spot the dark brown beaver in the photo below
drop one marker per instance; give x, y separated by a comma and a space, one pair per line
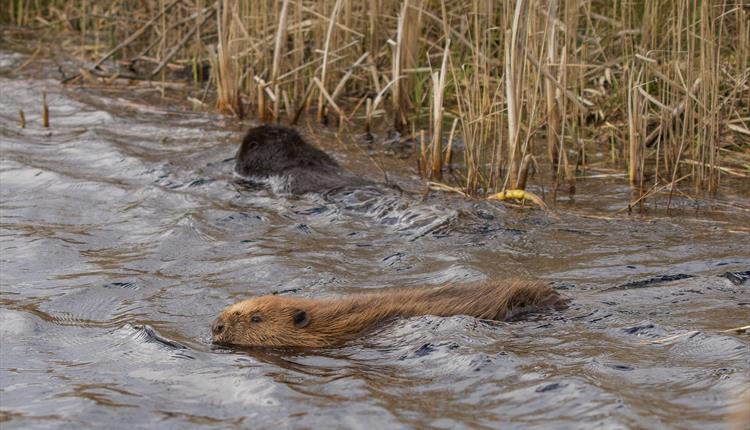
313, 323
278, 154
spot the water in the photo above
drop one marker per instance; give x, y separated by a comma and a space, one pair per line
124, 234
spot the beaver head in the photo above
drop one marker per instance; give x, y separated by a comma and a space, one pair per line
280, 156
272, 150
264, 321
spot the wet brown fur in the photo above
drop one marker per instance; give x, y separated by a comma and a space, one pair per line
314, 323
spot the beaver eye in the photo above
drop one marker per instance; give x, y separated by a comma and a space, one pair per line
256, 318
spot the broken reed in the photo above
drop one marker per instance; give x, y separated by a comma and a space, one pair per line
654, 83
45, 110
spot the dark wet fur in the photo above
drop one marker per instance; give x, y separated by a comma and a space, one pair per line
274, 150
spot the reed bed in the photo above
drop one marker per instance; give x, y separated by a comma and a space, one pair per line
491, 91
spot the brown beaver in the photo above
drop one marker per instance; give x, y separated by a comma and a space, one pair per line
278, 154
276, 321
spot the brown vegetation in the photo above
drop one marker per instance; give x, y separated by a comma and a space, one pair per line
661, 86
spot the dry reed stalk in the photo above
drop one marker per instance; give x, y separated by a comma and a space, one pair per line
710, 94
669, 338
737, 330
260, 92
45, 110
396, 69
368, 113
635, 131
553, 109
342, 83
380, 96
569, 169
437, 186
570, 174
324, 65
438, 92
561, 119
328, 97
722, 169
374, 76
449, 149
28, 60
422, 155
196, 49
524, 172
287, 105
515, 46
373, 29
303, 102
225, 75
404, 58
164, 32
742, 52
276, 103
278, 51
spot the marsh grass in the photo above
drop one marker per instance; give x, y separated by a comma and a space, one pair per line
661, 87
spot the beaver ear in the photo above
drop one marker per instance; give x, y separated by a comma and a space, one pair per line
300, 318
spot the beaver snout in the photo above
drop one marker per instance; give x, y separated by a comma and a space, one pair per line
217, 329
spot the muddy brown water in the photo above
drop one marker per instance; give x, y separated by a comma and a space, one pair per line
123, 234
